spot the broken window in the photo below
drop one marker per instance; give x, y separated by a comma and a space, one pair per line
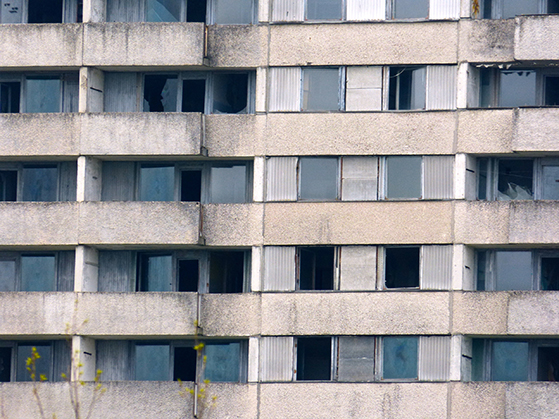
160, 93
506, 9
155, 272
318, 178
194, 95
324, 9
316, 268
410, 9
41, 11
321, 89
164, 10
314, 359
55, 359
402, 267
406, 88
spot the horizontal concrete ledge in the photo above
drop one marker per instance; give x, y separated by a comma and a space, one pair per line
536, 38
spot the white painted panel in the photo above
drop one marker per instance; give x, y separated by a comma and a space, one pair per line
358, 266
279, 268
366, 10
436, 267
359, 178
444, 9
253, 356
256, 269
434, 358
276, 358
364, 88
288, 10
281, 179
441, 87
258, 171
285, 89
438, 177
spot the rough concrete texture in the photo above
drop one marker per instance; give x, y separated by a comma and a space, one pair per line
534, 222
380, 43
535, 312
486, 41
239, 46
344, 400
375, 313
480, 313
38, 223
536, 38
536, 130
481, 222
485, 131
421, 222
143, 44
232, 224
235, 135
41, 134
141, 133
230, 314
42, 45
532, 400
478, 400
125, 223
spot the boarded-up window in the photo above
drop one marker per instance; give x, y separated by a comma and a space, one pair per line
356, 358
118, 180
438, 177
364, 89
116, 271
113, 358
359, 178
288, 10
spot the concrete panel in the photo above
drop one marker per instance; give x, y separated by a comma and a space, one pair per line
485, 131
534, 222
45, 45
141, 133
486, 41
380, 43
478, 401
169, 223
427, 222
136, 314
532, 400
479, 313
536, 38
235, 135
481, 222
536, 130
232, 224
237, 46
230, 314
143, 44
45, 134
533, 313
376, 313
345, 400
38, 223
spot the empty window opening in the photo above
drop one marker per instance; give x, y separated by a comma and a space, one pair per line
402, 267
548, 364
189, 274
406, 88
9, 97
5, 364
195, 11
8, 185
160, 93
227, 272
193, 95
481, 271
40, 183
552, 6
316, 268
43, 94
155, 272
324, 9
157, 183
550, 274
163, 10
230, 93
185, 364
152, 362
403, 177
399, 357
509, 361
44, 11
411, 9
321, 89
515, 179
552, 91
318, 178
314, 358
191, 185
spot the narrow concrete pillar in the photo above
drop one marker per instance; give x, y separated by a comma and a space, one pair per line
89, 179
83, 358
259, 174
261, 83
256, 269
94, 11
92, 86
462, 86
264, 10
253, 359
86, 275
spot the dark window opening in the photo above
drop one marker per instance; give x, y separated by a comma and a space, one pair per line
196, 11
44, 11
227, 272
79, 17
486, 9
406, 88
550, 274
552, 6
316, 270
191, 185
548, 364
193, 95
160, 93
8, 185
314, 358
230, 93
481, 268
9, 97
5, 364
402, 267
482, 179
185, 364
515, 179
155, 272
517, 88
189, 273
552, 91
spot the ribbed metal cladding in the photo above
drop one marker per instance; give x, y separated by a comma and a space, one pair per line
436, 271
113, 359
279, 268
288, 10
434, 358
276, 358
444, 9
438, 177
441, 86
366, 9
281, 179
285, 89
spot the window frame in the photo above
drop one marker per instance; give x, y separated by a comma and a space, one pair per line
341, 88
68, 7
338, 178
14, 359
381, 286
335, 268
383, 179
391, 8
343, 17
17, 256
496, 9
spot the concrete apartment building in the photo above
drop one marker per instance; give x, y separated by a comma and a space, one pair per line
352, 203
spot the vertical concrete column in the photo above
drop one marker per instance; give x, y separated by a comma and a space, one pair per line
463, 270
264, 10
261, 83
259, 172
83, 353
457, 267
462, 86
92, 85
94, 11
86, 275
465, 8
256, 269
89, 179
253, 359
460, 176
456, 358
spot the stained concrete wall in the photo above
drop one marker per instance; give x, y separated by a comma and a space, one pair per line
232, 224
239, 46
486, 41
536, 38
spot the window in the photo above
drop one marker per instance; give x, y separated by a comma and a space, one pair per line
41, 11
314, 357
43, 271
406, 88
410, 9
55, 359
324, 9
316, 268
226, 360
318, 178
402, 267
403, 177
505, 9
211, 182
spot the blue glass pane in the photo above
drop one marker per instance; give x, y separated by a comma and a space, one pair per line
399, 357
42, 94
514, 271
157, 183
409, 9
152, 362
403, 177
517, 88
319, 178
324, 9
228, 184
159, 273
42, 365
233, 11
510, 361
40, 184
7, 275
222, 361
163, 10
321, 88
512, 8
38, 273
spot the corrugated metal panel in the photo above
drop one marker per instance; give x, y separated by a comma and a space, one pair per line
434, 358
276, 355
358, 266
117, 181
285, 89
116, 269
288, 10
120, 92
366, 9
438, 177
441, 87
444, 9
356, 358
436, 267
281, 179
359, 178
113, 358
66, 267
71, 93
279, 268
62, 360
